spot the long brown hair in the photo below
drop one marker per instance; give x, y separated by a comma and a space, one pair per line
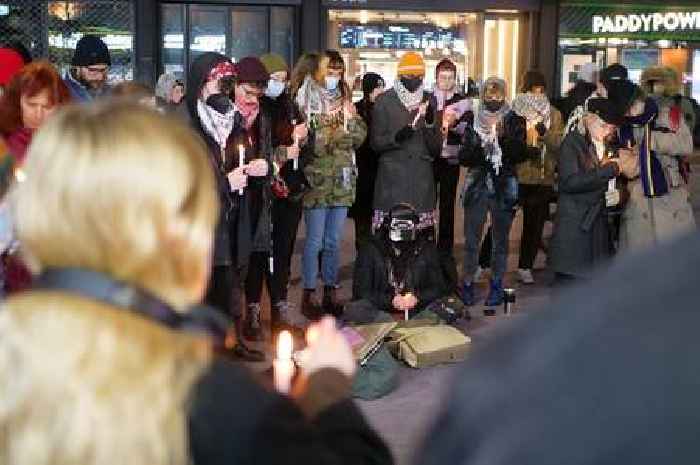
33, 79
307, 65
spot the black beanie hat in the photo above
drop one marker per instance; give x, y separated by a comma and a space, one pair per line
251, 69
91, 50
608, 110
370, 81
614, 72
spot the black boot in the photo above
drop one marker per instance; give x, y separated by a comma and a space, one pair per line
331, 305
252, 329
236, 348
310, 307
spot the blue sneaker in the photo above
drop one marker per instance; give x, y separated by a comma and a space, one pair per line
495, 297
466, 293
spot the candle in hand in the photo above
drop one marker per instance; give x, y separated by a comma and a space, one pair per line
283, 364
296, 144
241, 162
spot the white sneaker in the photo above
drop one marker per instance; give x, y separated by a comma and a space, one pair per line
479, 274
525, 276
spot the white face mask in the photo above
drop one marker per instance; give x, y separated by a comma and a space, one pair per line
332, 82
274, 88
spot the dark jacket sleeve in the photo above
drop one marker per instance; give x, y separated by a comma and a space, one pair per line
472, 154
383, 137
234, 420
368, 282
514, 141
573, 179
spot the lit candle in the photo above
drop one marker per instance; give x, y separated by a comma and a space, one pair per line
611, 185
296, 144
283, 364
241, 162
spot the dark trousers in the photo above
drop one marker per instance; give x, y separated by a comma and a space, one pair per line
535, 202
285, 223
363, 229
446, 181
485, 253
224, 293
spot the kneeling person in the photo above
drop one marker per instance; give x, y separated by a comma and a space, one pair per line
397, 271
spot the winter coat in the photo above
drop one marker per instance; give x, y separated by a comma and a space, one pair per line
534, 171
405, 173
603, 374
512, 143
329, 170
451, 147
232, 240
371, 276
367, 165
580, 239
648, 221
79, 93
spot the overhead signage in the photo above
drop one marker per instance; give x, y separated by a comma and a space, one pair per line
594, 20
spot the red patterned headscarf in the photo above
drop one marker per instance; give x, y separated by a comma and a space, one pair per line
222, 70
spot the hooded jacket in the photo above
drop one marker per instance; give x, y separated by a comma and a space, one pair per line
233, 241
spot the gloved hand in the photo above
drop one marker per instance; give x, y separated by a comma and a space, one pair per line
541, 129
612, 198
471, 138
430, 114
404, 134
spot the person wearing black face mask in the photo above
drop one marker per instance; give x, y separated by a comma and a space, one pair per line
492, 148
398, 270
214, 117
407, 141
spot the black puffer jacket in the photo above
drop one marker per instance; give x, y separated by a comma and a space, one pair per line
424, 277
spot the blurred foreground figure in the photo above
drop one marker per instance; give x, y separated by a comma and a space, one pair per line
606, 375
95, 364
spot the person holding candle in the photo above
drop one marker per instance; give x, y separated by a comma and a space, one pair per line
336, 131
536, 175
104, 358
216, 120
452, 117
398, 271
581, 240
492, 149
283, 139
407, 141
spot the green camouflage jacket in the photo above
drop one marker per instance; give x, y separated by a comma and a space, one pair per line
330, 170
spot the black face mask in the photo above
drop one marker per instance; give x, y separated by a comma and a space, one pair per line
221, 103
412, 84
493, 105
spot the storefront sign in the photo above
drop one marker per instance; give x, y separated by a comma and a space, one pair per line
593, 20
442, 5
652, 22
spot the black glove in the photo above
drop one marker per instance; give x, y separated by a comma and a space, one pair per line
430, 114
471, 139
404, 134
541, 129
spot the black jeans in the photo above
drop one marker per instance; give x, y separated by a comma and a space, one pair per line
535, 202
224, 293
363, 229
285, 223
446, 181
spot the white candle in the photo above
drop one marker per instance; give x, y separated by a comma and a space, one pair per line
611, 185
296, 144
283, 365
241, 162
405, 314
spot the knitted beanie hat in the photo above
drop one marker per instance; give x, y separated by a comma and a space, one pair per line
411, 63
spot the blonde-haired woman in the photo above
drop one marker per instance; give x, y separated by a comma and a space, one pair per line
117, 216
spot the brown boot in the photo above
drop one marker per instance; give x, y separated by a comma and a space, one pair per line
331, 304
310, 307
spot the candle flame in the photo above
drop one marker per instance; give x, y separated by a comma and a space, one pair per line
284, 346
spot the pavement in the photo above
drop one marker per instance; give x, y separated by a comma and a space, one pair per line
404, 416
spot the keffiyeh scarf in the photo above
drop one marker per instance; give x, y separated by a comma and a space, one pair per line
535, 108
313, 99
486, 125
410, 100
215, 124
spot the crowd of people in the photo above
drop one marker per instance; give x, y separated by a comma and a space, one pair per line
125, 209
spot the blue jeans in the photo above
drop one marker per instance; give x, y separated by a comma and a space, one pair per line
324, 228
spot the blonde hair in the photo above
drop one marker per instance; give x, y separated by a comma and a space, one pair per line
118, 189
